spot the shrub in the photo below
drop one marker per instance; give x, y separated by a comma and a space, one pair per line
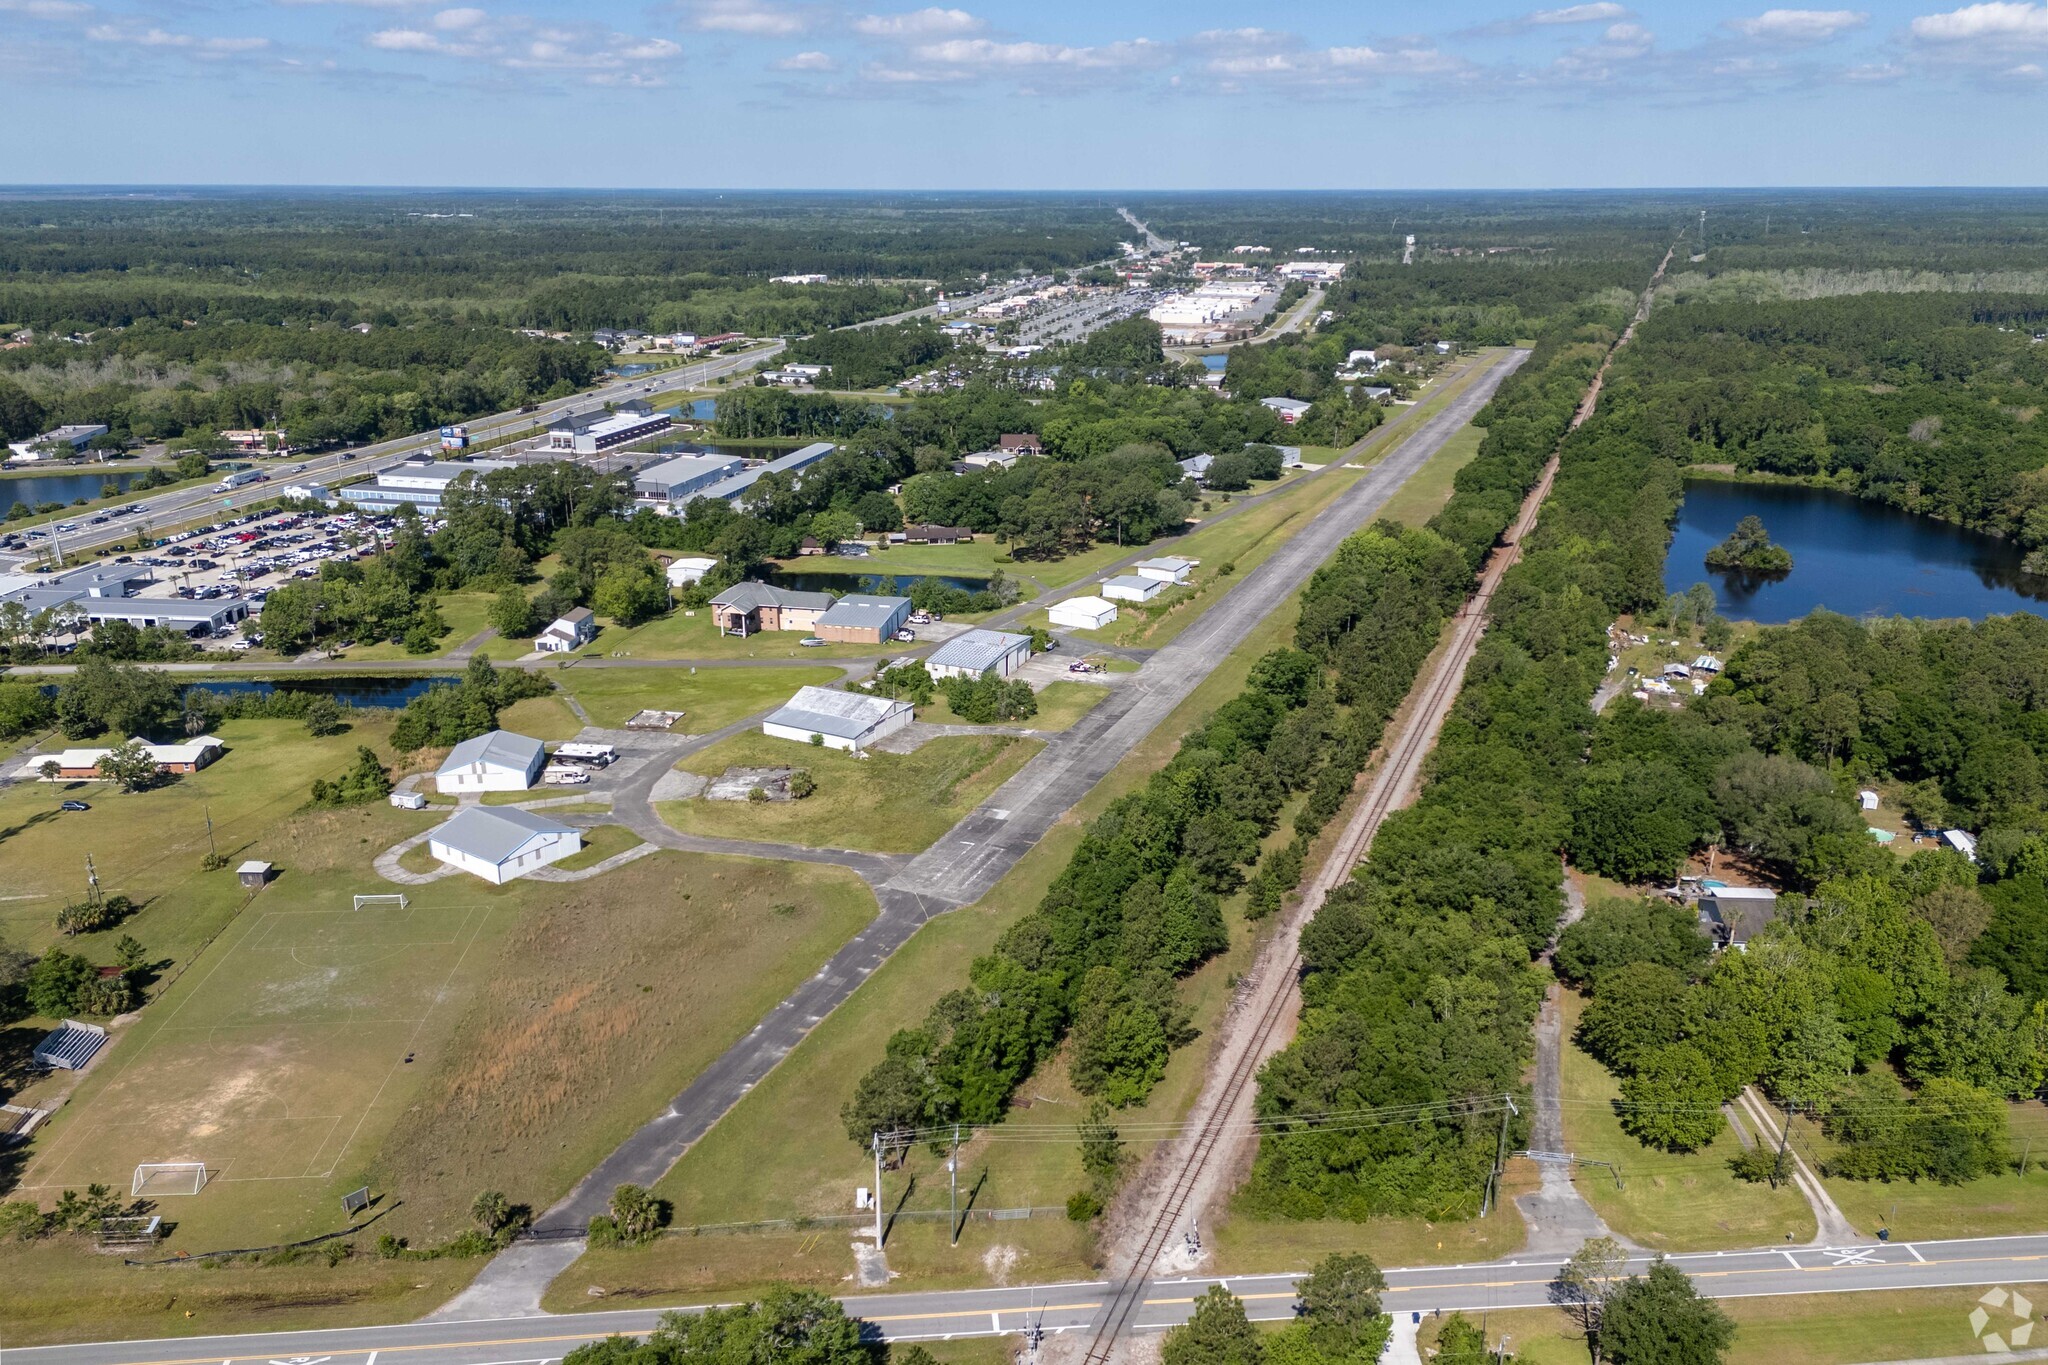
1084, 1206
802, 784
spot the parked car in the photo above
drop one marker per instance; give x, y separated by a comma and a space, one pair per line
74, 805
810, 641
905, 636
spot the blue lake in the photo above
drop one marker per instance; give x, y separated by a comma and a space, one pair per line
703, 409
38, 488
1215, 362
1850, 556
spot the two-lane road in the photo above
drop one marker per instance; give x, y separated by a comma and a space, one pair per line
1067, 1307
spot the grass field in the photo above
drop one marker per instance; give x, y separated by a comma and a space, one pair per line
1674, 1201
981, 558
1425, 494
742, 1171
711, 697
1060, 704
472, 1027
600, 843
1995, 1207
880, 802
1803, 1329
687, 635
541, 717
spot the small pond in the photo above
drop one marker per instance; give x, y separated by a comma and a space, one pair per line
1849, 555
65, 488
1215, 362
390, 691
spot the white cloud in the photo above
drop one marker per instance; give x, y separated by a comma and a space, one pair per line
405, 40
807, 61
360, 4
1799, 25
46, 9
750, 17
987, 54
931, 22
1599, 13
2010, 24
1874, 73
186, 42
459, 20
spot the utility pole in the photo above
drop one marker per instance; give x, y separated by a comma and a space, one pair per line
92, 882
1784, 1141
953, 1178
1499, 1157
211, 851
878, 1190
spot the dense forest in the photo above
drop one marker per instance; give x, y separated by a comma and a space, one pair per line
1898, 999
1928, 402
181, 315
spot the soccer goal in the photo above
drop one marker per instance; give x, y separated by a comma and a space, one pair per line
395, 898
160, 1178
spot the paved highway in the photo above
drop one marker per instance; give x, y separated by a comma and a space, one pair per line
1069, 1307
169, 508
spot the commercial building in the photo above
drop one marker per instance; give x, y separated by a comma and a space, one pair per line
572, 631
187, 756
496, 762
682, 478
194, 616
588, 433
423, 482
849, 721
734, 488
856, 619
747, 608
1314, 272
1082, 613
76, 436
1132, 588
931, 533
502, 843
1289, 410
978, 652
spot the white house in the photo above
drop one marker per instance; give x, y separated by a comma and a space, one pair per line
1170, 569
1082, 613
1962, 841
845, 720
502, 843
1289, 410
497, 762
573, 631
687, 569
977, 652
1867, 799
1133, 588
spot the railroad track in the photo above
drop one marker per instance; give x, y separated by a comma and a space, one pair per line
1396, 778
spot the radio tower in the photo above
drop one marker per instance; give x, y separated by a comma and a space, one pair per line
1701, 254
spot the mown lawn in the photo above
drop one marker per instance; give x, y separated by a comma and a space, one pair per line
1060, 704
1673, 1201
880, 802
1430, 487
1782, 1329
599, 843
709, 697
692, 635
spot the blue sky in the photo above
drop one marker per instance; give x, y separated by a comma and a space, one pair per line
1055, 94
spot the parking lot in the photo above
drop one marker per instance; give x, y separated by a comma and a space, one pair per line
250, 555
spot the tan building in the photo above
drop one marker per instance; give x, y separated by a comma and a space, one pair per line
749, 608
